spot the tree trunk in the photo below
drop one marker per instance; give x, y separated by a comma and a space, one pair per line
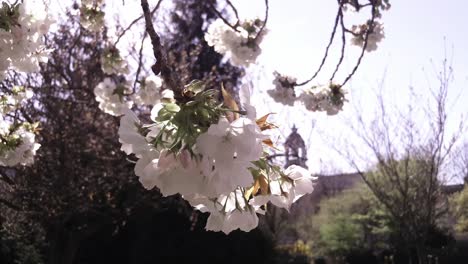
63, 246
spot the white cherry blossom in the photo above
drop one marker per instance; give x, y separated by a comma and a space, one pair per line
22, 154
322, 98
284, 191
130, 137
228, 212
150, 92
284, 89
241, 47
111, 100
244, 98
173, 174
373, 39
22, 47
228, 150
302, 181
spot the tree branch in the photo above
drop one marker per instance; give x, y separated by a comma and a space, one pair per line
140, 59
343, 45
160, 67
267, 10
332, 37
135, 21
366, 38
234, 10
6, 179
234, 27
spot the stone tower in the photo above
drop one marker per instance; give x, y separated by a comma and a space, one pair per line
295, 150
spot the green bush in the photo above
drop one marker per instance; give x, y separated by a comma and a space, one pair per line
459, 204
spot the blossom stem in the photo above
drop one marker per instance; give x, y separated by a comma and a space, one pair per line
366, 38
343, 44
235, 11
234, 27
325, 56
267, 10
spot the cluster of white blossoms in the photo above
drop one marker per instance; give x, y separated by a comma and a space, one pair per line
113, 97
213, 154
22, 27
14, 100
326, 98
149, 92
116, 97
373, 27
92, 15
17, 139
112, 62
241, 45
284, 89
375, 35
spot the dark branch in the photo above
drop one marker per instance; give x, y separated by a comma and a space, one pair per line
343, 45
267, 10
234, 10
6, 179
135, 21
368, 32
140, 61
234, 27
332, 37
161, 62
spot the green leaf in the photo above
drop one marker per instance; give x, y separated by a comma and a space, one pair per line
191, 103
171, 107
195, 86
164, 115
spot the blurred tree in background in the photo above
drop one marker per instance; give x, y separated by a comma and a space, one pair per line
459, 204
352, 221
80, 202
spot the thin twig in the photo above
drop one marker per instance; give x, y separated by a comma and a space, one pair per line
235, 11
135, 21
366, 38
26, 116
234, 27
337, 19
6, 178
267, 10
127, 28
343, 45
140, 59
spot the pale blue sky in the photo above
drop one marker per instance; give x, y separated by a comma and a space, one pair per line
417, 34
416, 31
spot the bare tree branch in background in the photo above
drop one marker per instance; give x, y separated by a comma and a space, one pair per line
409, 150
